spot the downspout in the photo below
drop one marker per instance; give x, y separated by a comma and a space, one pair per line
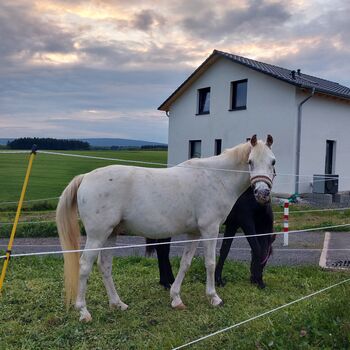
297, 166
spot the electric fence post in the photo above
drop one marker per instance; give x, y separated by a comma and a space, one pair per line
18, 212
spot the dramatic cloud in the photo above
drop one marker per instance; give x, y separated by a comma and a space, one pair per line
257, 18
102, 67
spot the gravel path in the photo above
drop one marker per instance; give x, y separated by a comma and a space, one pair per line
303, 249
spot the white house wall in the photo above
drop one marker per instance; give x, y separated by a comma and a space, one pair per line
325, 119
271, 109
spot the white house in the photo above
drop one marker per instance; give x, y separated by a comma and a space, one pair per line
228, 98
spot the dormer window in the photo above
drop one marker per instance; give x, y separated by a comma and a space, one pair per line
203, 101
239, 95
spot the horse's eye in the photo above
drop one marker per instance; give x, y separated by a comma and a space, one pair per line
274, 162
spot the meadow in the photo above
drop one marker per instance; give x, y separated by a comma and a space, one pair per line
51, 173
33, 315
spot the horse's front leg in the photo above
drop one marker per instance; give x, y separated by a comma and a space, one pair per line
209, 255
187, 255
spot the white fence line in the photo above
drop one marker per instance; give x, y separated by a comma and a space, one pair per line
313, 210
27, 222
182, 246
14, 152
164, 164
174, 165
261, 315
172, 242
276, 212
31, 200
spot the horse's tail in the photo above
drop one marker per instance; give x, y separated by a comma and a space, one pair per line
69, 233
150, 248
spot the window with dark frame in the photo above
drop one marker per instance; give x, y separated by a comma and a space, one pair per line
239, 95
330, 151
204, 101
195, 149
218, 143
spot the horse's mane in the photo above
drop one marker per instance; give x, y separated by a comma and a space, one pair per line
237, 155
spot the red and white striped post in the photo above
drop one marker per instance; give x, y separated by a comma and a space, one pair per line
285, 223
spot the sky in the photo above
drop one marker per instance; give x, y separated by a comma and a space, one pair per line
101, 68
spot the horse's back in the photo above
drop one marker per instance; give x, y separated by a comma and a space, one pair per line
147, 201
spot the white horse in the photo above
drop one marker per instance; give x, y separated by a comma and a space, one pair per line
194, 197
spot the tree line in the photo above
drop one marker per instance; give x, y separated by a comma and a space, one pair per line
47, 143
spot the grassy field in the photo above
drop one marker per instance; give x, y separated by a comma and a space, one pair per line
51, 173
33, 315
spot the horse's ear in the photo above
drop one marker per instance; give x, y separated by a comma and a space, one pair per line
269, 141
253, 140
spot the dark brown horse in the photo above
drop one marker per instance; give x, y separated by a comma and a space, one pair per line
249, 215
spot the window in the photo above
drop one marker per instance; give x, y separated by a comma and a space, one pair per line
195, 149
239, 95
330, 157
218, 143
204, 101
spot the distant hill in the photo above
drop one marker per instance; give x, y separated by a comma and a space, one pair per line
4, 141
108, 142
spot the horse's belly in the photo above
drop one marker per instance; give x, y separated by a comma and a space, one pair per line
158, 226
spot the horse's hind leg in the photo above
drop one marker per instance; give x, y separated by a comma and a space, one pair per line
187, 255
230, 231
86, 262
165, 271
104, 262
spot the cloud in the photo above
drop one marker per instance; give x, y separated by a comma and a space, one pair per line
62, 60
24, 34
146, 19
257, 18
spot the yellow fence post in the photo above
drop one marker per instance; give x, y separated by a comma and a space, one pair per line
18, 212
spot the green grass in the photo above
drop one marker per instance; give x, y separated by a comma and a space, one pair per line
33, 315
51, 173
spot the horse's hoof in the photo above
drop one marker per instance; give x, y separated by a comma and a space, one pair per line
221, 304
216, 301
180, 306
166, 286
261, 285
122, 306
85, 318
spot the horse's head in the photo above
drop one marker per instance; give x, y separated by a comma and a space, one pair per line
262, 168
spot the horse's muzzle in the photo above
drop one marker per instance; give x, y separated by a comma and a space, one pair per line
262, 196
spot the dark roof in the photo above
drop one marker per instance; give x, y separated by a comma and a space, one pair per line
296, 78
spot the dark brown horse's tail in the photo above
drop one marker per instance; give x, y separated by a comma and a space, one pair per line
150, 248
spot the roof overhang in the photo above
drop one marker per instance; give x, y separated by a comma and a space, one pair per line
216, 55
165, 106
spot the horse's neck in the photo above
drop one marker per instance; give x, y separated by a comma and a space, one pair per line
230, 167
236, 179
